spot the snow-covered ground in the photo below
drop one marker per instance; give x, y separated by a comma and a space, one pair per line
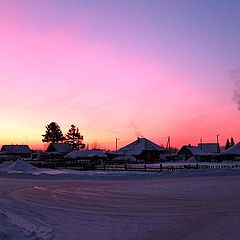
47, 204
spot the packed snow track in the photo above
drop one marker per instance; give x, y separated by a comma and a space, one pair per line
172, 208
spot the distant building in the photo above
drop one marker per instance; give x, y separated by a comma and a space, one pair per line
63, 148
22, 151
232, 152
142, 149
189, 151
209, 147
93, 156
80, 154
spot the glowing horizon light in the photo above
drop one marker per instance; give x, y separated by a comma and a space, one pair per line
119, 70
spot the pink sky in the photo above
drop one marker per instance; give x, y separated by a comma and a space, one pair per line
109, 79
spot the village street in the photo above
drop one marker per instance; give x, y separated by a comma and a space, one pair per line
177, 208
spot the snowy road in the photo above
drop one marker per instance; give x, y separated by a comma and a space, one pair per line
177, 208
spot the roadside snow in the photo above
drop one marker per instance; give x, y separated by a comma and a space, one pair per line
23, 168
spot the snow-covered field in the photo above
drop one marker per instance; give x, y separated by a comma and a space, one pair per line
48, 204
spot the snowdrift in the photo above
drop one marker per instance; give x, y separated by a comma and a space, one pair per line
17, 166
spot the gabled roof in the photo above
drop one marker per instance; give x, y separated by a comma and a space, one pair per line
15, 149
196, 151
138, 146
234, 150
59, 147
86, 154
209, 147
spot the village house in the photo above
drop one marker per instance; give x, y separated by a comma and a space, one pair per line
62, 148
22, 151
209, 147
202, 152
142, 149
232, 152
92, 156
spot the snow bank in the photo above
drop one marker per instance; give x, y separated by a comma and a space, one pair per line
5, 164
17, 166
22, 167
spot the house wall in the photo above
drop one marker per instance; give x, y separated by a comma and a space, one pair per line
149, 156
184, 153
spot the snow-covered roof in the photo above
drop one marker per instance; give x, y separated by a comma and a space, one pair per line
86, 153
59, 147
138, 146
209, 147
15, 149
234, 150
196, 151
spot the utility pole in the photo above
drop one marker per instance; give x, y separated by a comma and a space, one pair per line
201, 143
117, 143
218, 148
168, 147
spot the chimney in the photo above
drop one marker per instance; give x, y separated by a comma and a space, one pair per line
138, 139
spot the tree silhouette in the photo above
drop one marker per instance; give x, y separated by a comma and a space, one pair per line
74, 138
227, 145
232, 142
53, 133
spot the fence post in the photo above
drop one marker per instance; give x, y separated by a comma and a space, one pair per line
160, 167
145, 167
125, 167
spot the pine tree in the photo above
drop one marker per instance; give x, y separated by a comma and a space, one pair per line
232, 142
227, 145
74, 138
53, 133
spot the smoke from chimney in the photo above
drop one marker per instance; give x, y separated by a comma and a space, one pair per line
235, 77
137, 132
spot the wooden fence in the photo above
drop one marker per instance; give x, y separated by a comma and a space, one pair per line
161, 167
81, 166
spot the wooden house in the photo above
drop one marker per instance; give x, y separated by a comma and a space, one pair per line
142, 149
22, 151
62, 148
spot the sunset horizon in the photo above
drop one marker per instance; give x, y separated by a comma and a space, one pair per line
120, 70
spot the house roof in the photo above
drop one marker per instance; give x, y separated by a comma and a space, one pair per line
196, 151
234, 150
138, 146
209, 147
86, 154
15, 149
60, 147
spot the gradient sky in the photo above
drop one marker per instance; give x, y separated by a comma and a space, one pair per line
120, 69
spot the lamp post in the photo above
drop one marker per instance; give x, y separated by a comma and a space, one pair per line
117, 139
